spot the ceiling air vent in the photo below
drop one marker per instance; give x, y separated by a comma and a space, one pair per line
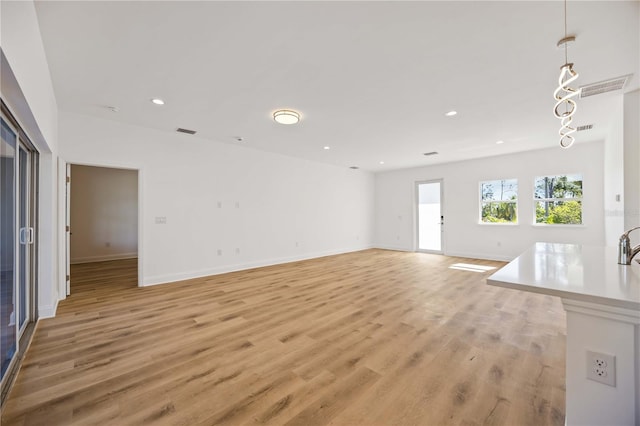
430, 153
585, 127
187, 131
604, 86
354, 167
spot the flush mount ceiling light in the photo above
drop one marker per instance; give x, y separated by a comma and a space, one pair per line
327, 148
499, 142
286, 116
451, 113
565, 106
157, 101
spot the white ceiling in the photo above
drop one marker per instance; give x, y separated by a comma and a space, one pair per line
372, 80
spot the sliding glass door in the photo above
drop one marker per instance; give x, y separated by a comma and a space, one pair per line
17, 235
8, 167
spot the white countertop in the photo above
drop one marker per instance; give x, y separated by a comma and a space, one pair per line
573, 271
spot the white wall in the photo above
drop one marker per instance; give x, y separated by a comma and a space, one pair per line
104, 214
464, 236
27, 89
252, 207
632, 163
614, 176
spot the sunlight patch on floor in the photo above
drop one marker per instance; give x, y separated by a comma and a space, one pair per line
471, 267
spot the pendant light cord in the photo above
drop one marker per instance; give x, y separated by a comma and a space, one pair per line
565, 32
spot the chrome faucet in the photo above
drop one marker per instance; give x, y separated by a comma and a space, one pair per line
626, 253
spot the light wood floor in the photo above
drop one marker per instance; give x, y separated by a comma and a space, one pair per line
369, 338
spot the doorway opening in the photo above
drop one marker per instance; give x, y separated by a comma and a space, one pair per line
430, 220
102, 226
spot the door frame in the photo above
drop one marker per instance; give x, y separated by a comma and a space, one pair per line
25, 332
416, 226
65, 201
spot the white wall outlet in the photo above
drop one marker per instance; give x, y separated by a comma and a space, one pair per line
601, 368
161, 220
219, 252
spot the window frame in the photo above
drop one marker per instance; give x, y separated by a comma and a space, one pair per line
482, 202
556, 199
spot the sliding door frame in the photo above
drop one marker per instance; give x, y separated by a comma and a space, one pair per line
24, 332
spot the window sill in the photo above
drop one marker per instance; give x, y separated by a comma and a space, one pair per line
498, 224
557, 225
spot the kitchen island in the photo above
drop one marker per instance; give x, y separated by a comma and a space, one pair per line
602, 301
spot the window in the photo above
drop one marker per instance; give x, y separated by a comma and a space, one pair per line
558, 199
499, 201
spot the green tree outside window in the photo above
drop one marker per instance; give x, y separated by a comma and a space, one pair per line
499, 201
559, 199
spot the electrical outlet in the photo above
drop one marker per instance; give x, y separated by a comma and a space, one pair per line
601, 368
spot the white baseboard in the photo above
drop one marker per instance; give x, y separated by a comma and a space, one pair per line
48, 311
170, 278
482, 256
394, 248
104, 258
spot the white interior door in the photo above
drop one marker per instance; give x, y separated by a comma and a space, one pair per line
430, 220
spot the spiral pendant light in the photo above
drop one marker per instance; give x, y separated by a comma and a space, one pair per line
566, 106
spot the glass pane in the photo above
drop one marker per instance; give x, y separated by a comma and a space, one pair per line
559, 212
499, 212
429, 227
23, 224
559, 186
7, 247
499, 190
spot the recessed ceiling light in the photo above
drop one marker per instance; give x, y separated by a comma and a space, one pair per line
157, 101
113, 109
286, 116
499, 142
451, 113
327, 147
354, 167
382, 162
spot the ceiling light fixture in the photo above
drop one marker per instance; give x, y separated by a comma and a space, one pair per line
451, 113
286, 116
564, 93
157, 101
327, 147
499, 142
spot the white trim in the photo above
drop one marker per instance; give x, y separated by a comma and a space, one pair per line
47, 311
559, 225
615, 313
172, 278
104, 258
394, 248
481, 256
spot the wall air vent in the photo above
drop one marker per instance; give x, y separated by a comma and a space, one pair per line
187, 131
610, 85
430, 153
585, 127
